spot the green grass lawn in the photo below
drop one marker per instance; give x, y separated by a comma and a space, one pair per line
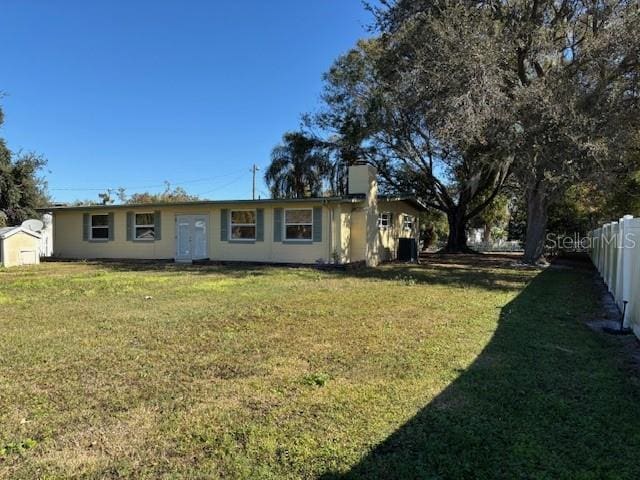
441, 371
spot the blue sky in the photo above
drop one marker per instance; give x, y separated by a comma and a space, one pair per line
133, 93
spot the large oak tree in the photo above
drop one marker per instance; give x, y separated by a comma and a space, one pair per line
377, 114
559, 79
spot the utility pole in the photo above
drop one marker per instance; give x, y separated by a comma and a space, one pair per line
254, 169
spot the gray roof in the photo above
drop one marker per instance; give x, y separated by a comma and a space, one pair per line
343, 199
410, 199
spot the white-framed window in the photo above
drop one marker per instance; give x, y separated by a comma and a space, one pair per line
99, 226
242, 224
298, 224
144, 226
408, 222
384, 220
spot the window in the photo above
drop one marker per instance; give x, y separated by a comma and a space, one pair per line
408, 222
384, 220
298, 224
99, 227
145, 228
243, 224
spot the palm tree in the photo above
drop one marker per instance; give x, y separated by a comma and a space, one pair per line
299, 167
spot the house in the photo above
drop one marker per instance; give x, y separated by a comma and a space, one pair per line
358, 227
19, 246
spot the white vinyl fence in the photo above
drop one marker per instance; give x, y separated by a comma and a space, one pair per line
497, 246
46, 236
615, 251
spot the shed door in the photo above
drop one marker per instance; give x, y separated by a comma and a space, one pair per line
28, 257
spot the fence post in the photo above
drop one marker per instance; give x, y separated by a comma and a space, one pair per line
599, 259
607, 255
625, 265
613, 265
598, 249
618, 271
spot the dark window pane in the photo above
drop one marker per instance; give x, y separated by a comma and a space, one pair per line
243, 216
384, 220
99, 232
145, 233
408, 222
144, 218
298, 216
99, 220
299, 232
243, 233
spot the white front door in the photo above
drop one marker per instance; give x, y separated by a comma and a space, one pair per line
191, 237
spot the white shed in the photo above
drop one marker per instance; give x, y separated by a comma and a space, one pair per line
19, 246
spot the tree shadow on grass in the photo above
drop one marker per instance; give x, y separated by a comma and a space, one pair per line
447, 275
547, 398
484, 271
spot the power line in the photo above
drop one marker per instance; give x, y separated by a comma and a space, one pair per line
177, 184
235, 180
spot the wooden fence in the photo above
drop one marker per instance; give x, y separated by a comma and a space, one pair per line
615, 251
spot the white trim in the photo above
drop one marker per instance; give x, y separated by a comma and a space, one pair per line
285, 223
91, 227
254, 224
15, 230
389, 219
408, 219
136, 226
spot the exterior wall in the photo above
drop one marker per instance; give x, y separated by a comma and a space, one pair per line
20, 249
344, 227
69, 243
388, 238
365, 245
373, 246
358, 236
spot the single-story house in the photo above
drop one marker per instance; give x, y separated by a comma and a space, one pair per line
358, 227
19, 246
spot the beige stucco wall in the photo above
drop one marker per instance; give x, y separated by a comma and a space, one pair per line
364, 241
388, 237
358, 237
68, 242
343, 225
18, 246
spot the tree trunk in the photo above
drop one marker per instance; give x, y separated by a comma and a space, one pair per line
537, 216
487, 234
457, 241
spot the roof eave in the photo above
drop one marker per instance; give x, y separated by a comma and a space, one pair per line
353, 199
13, 231
411, 200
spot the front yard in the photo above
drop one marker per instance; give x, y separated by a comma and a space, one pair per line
441, 371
